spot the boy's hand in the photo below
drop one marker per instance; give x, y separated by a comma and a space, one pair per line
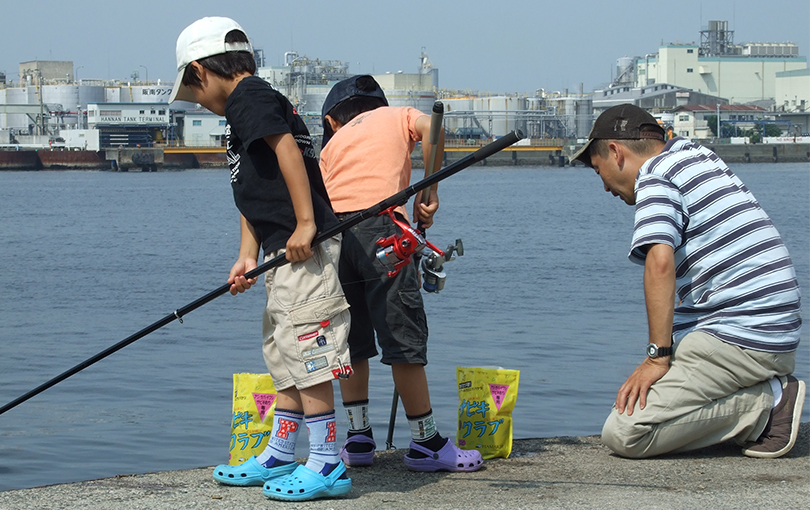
299, 245
423, 214
237, 279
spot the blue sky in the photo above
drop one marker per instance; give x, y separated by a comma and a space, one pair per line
516, 46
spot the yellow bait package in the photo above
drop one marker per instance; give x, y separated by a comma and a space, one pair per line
254, 401
486, 398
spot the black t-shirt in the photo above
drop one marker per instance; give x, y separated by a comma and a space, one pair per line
255, 110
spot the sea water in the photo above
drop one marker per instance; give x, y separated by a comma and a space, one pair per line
89, 258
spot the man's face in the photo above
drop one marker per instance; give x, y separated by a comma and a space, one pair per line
621, 182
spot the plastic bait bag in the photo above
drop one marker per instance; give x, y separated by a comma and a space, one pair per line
486, 399
254, 401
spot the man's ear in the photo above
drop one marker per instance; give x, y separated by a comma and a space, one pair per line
616, 151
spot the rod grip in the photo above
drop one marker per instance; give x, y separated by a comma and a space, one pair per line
436, 122
434, 161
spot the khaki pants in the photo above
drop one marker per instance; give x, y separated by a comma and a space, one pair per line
306, 320
713, 392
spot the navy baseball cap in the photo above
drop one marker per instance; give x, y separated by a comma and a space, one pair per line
347, 89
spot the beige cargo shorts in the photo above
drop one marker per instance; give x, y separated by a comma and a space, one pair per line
306, 320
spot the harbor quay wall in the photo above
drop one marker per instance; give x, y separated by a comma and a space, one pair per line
762, 153
152, 159
755, 153
123, 159
519, 156
752, 153
71, 160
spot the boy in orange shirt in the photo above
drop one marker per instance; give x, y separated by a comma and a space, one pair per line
366, 158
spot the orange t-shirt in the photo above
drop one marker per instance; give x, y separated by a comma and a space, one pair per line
369, 158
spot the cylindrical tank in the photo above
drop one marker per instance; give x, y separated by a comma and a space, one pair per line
625, 70
422, 100
71, 98
67, 96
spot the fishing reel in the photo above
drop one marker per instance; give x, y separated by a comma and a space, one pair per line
396, 251
433, 275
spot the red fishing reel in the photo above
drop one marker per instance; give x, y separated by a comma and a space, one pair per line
396, 251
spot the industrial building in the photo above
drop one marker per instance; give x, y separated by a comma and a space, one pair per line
679, 84
793, 99
202, 128
130, 124
306, 82
742, 73
793, 91
541, 116
657, 97
692, 121
48, 102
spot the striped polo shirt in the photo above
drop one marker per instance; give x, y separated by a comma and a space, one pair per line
734, 276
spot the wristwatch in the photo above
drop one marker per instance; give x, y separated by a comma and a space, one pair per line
653, 351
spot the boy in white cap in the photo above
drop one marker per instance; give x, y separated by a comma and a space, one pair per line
280, 194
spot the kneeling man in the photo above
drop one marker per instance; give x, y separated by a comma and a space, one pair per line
722, 299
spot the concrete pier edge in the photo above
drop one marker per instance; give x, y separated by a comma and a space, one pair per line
561, 472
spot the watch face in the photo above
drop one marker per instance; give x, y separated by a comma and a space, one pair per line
652, 350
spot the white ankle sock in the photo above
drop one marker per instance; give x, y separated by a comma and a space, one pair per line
776, 388
422, 427
357, 414
281, 445
323, 449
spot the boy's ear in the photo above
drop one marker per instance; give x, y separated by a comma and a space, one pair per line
200, 70
335, 125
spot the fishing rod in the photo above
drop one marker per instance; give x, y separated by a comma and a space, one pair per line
432, 264
398, 199
434, 162
436, 118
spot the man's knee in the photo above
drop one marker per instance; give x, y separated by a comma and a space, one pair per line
624, 437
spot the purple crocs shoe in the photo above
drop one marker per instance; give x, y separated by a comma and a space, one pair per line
358, 459
449, 458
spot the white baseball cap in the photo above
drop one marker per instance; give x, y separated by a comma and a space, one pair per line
203, 38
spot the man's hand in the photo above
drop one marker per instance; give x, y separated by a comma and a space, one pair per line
638, 384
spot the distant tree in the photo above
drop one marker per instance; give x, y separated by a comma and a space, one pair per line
754, 135
772, 130
712, 121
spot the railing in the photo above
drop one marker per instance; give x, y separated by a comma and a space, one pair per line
450, 143
182, 144
526, 143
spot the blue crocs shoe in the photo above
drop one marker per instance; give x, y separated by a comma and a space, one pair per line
304, 484
250, 472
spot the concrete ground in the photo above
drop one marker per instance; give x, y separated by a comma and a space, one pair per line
563, 472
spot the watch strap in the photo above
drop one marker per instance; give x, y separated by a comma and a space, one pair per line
659, 351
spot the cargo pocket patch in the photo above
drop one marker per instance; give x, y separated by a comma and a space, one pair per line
318, 326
